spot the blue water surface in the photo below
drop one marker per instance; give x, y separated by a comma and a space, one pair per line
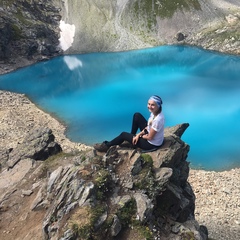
96, 94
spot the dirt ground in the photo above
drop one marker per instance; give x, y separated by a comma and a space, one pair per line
17, 220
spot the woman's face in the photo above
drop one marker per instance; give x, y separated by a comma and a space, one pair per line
152, 106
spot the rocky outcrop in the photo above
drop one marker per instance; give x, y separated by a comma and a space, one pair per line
28, 30
123, 193
38, 145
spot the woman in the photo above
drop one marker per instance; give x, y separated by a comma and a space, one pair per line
151, 133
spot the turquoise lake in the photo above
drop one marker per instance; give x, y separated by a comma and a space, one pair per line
96, 95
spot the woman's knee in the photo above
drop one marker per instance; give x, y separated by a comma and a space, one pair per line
126, 136
136, 115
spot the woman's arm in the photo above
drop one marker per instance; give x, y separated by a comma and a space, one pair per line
150, 135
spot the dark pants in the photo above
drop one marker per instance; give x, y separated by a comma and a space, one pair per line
139, 122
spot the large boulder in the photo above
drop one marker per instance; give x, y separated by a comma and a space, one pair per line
38, 145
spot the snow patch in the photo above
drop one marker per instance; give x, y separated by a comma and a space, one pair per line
66, 35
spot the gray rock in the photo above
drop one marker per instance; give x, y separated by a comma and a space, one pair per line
68, 235
4, 155
36, 204
123, 200
100, 220
86, 193
162, 175
26, 192
38, 145
116, 226
144, 206
53, 178
137, 166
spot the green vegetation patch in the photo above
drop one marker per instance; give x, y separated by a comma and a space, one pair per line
222, 33
148, 162
145, 180
84, 220
188, 236
80, 223
102, 181
140, 17
164, 8
127, 212
145, 231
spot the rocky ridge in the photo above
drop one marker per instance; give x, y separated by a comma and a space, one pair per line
115, 196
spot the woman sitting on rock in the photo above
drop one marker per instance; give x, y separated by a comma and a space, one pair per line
151, 133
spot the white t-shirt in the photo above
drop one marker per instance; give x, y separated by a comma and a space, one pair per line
157, 123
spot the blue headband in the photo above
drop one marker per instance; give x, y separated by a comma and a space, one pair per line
157, 100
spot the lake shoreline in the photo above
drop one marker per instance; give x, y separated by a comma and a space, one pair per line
203, 128
217, 193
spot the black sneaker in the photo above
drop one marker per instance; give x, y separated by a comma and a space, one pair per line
101, 147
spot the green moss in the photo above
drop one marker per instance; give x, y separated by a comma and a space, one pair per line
7, 3
126, 213
143, 230
102, 180
145, 179
187, 236
101, 177
96, 212
84, 232
148, 162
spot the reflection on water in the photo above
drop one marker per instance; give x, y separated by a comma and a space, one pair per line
96, 95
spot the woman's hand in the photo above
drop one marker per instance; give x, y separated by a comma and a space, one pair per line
135, 139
